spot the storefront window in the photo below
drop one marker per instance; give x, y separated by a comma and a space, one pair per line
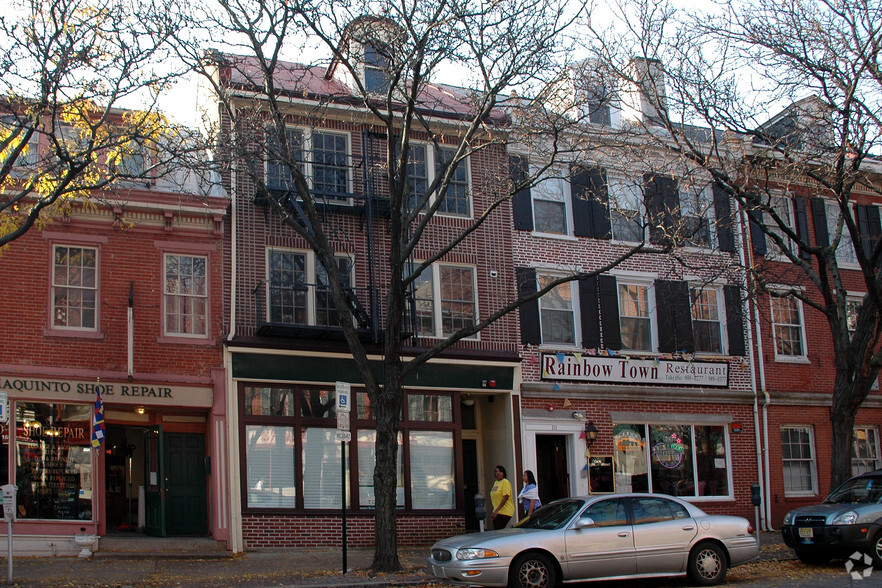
321, 469
367, 456
53, 461
269, 455
682, 460
434, 408
431, 470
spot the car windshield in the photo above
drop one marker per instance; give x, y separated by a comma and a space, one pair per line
552, 516
861, 490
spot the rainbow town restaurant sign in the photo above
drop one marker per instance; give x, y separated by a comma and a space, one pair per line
579, 367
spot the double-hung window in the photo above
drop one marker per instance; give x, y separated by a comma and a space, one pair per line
852, 310
696, 210
783, 209
321, 156
635, 316
423, 160
186, 295
551, 205
74, 287
798, 454
445, 300
787, 327
845, 253
376, 67
707, 320
299, 292
557, 312
865, 450
28, 158
626, 210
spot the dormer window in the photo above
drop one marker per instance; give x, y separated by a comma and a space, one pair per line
376, 65
598, 100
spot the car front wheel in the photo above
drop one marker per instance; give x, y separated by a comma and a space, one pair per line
875, 550
532, 570
707, 564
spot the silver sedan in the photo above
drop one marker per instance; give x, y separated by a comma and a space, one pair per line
599, 537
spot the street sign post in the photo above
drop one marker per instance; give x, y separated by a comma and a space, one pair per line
344, 435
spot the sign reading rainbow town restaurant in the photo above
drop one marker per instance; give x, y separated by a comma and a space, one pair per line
581, 367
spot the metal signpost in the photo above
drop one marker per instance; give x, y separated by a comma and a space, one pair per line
9, 491
345, 436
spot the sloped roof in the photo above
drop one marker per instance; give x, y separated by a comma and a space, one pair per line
310, 83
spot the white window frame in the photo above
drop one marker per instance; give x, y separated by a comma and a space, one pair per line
803, 358
204, 297
432, 171
627, 191
310, 265
872, 461
783, 204
853, 302
552, 187
697, 201
94, 289
573, 310
642, 282
438, 302
846, 256
721, 315
811, 460
307, 159
28, 160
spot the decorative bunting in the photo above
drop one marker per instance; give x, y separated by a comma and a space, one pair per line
98, 420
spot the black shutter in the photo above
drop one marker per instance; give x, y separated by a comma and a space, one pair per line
522, 201
674, 314
588, 306
802, 226
583, 224
529, 311
662, 199
597, 190
734, 320
609, 312
723, 213
869, 227
819, 220
757, 236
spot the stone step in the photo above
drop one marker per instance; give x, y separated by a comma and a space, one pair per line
143, 547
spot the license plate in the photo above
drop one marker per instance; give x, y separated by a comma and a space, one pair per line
806, 532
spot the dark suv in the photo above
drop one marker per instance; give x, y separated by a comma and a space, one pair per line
849, 520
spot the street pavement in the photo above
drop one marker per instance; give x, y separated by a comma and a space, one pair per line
323, 568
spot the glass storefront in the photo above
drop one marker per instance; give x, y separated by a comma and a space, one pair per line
53, 461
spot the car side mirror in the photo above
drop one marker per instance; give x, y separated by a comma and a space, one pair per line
583, 523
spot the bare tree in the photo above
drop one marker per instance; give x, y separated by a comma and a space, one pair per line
78, 105
780, 104
509, 49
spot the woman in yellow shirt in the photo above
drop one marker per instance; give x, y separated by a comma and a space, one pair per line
500, 498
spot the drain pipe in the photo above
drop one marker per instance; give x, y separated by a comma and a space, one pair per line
746, 255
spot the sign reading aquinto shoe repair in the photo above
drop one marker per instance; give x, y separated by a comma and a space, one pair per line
623, 370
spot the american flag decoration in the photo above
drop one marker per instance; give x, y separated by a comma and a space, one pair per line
98, 420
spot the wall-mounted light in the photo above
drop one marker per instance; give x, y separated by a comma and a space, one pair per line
140, 410
467, 400
590, 433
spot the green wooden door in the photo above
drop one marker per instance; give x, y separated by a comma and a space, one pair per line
185, 505
154, 483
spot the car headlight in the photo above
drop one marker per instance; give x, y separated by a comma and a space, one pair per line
476, 553
788, 518
846, 518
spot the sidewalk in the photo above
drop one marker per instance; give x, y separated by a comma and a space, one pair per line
316, 568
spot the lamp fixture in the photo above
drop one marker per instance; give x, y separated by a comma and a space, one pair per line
590, 433
140, 410
467, 400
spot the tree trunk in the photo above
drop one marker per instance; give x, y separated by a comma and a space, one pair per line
842, 415
387, 410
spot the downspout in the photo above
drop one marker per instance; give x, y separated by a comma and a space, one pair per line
746, 255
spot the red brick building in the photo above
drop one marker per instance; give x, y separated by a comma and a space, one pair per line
122, 295
286, 351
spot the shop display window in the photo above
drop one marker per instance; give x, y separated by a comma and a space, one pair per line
53, 461
675, 459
